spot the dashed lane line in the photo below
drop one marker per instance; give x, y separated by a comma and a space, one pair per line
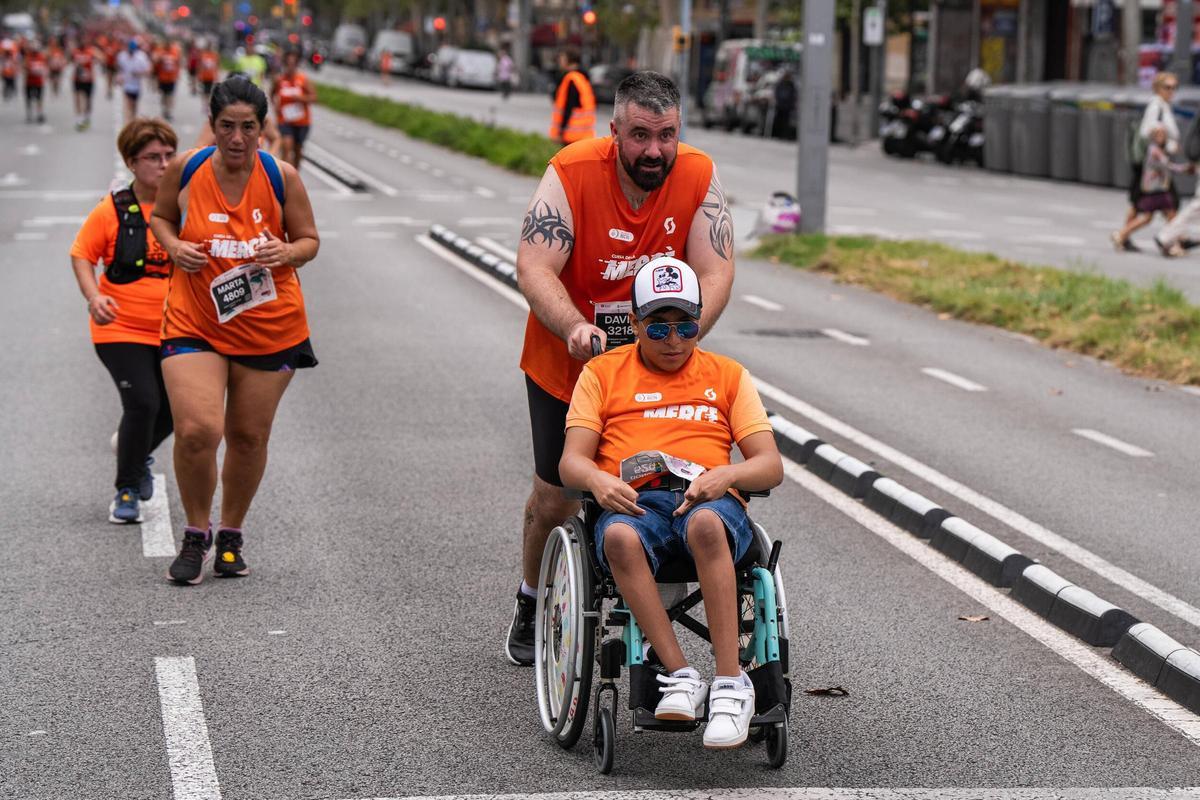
1063, 241
846, 338
158, 538
954, 380
763, 303
1113, 442
189, 752
483, 191
30, 236
1018, 522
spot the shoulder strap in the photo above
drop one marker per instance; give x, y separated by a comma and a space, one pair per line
273, 174
193, 164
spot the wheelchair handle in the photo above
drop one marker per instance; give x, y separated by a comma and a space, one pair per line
597, 348
773, 560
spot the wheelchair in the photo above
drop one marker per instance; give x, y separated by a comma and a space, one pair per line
582, 623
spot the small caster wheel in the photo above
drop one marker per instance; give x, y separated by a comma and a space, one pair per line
757, 734
777, 745
604, 740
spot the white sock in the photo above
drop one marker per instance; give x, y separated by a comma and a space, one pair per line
528, 590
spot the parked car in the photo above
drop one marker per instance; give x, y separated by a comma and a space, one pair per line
443, 57
473, 68
349, 45
398, 43
605, 79
758, 115
738, 66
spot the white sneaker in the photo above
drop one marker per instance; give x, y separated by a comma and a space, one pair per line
730, 707
683, 695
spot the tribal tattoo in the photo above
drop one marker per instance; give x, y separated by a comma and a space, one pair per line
720, 231
545, 225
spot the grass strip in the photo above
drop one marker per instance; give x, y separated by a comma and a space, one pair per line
1152, 332
526, 153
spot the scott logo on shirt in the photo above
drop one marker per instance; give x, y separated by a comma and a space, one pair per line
686, 411
233, 248
616, 269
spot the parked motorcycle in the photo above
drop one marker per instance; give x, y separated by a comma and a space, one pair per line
891, 129
963, 136
918, 128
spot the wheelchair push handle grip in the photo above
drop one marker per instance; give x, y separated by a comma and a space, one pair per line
597, 347
773, 559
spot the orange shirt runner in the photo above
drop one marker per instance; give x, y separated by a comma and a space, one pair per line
36, 69
140, 304
612, 241
209, 64
85, 64
693, 413
229, 233
289, 107
166, 65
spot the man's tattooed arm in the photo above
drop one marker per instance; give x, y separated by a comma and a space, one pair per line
545, 225
720, 232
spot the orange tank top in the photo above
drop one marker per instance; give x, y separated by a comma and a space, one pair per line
291, 109
612, 242
229, 233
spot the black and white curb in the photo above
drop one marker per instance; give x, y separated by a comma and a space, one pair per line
1142, 648
342, 175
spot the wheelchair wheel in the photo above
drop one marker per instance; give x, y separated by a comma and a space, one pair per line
604, 740
756, 734
564, 638
777, 744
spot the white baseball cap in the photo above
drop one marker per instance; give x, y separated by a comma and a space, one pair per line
666, 282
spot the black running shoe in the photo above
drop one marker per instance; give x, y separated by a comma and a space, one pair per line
229, 563
519, 647
196, 552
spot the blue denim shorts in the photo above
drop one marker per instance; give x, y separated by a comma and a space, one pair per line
664, 536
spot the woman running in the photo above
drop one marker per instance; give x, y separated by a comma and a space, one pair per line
234, 326
126, 306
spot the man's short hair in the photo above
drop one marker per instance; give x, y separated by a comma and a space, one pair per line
572, 54
651, 90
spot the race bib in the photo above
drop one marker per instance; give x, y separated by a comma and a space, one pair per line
649, 463
241, 289
292, 112
613, 319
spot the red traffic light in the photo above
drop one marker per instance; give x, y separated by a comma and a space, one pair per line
439, 23
184, 12
306, 20
589, 17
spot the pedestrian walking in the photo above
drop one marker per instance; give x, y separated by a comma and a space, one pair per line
1155, 193
574, 117
505, 73
1158, 113
126, 307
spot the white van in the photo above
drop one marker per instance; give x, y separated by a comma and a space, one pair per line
398, 43
738, 66
348, 45
473, 68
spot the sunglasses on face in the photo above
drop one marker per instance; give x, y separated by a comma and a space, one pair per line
661, 330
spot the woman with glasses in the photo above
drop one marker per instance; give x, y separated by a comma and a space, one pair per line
1158, 114
126, 306
238, 225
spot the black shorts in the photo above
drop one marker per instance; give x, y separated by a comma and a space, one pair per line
298, 133
133, 95
300, 356
207, 87
83, 88
548, 421
33, 92
167, 88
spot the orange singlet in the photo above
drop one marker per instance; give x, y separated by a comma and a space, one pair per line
229, 233
289, 107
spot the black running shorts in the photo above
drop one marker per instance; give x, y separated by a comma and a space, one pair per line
300, 356
548, 421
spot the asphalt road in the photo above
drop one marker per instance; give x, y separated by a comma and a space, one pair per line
1064, 225
363, 656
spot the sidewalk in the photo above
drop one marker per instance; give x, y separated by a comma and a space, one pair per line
1064, 225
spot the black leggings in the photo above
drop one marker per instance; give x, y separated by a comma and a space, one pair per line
146, 418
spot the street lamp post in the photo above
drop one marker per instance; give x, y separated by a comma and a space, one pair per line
1181, 62
812, 132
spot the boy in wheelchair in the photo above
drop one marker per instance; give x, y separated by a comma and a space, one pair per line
649, 434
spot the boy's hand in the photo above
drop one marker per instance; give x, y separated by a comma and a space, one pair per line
614, 494
711, 485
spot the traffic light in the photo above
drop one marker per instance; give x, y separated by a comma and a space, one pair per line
306, 20
682, 41
184, 12
439, 24
589, 17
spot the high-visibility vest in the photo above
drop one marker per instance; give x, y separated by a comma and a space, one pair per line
582, 124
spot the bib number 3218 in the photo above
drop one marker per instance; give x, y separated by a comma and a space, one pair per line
241, 289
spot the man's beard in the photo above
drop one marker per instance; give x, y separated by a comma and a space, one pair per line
648, 173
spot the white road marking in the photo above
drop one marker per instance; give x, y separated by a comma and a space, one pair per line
439, 196
13, 179
365, 177
421, 223
422, 165
189, 752
438, 173
1109, 441
498, 249
948, 233
835, 793
1065, 241
158, 535
393, 153
953, 380
1018, 522
405, 158
934, 213
483, 222
30, 236
1195, 390
46, 222
847, 338
1038, 222
36, 733
483, 191
276, 633
755, 300
170, 622
30, 150
505, 291
381, 234
1098, 666
326, 178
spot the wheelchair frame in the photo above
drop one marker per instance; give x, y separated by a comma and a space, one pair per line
572, 638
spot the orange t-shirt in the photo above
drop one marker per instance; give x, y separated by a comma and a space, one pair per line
209, 63
85, 61
696, 413
290, 109
166, 65
36, 69
612, 242
139, 317
229, 233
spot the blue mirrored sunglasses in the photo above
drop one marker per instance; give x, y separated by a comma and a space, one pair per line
661, 330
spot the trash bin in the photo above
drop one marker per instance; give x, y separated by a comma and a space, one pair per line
1030, 137
1128, 107
1187, 114
997, 127
1096, 135
1064, 132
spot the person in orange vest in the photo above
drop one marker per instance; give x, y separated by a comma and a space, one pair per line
574, 117
9, 67
57, 61
209, 63
166, 71
36, 70
385, 65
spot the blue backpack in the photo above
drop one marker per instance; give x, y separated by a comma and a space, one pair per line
268, 162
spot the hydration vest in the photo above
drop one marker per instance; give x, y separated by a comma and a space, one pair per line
129, 255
